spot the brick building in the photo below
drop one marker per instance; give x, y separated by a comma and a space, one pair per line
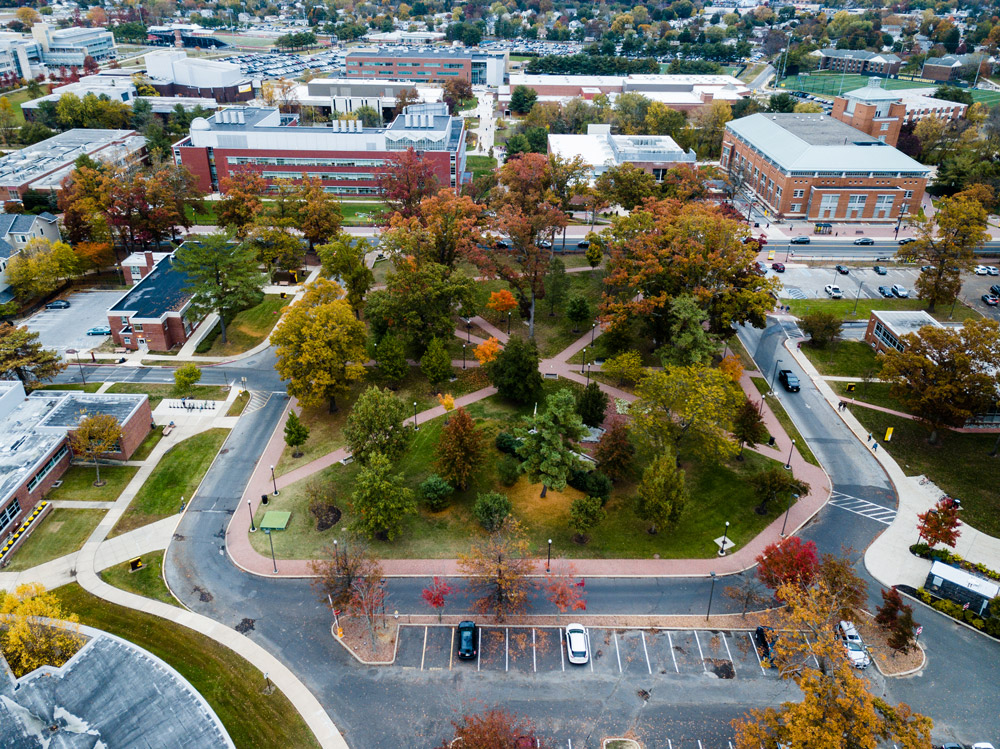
347, 157
35, 448
813, 167
138, 265
858, 61
434, 64
154, 313
882, 113
887, 328
954, 67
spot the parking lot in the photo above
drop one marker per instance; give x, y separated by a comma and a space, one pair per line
542, 650
801, 282
62, 329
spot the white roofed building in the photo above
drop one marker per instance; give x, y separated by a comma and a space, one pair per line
601, 150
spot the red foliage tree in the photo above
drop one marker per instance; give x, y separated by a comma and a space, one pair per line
496, 729
788, 561
434, 595
614, 453
407, 179
896, 618
939, 525
565, 592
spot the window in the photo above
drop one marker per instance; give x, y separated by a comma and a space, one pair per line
124, 320
856, 205
828, 206
47, 468
127, 340
137, 327
908, 194
883, 205
885, 126
886, 337
796, 208
9, 512
136, 271
799, 194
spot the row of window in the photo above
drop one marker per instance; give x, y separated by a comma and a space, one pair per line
8, 513
886, 336
344, 176
47, 468
276, 161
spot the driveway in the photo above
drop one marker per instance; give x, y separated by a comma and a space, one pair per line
62, 329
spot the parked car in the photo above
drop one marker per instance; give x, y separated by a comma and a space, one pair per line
57, 304
503, 244
900, 291
577, 644
787, 378
467, 640
778, 267
925, 268
906, 240
995, 289
885, 291
857, 653
991, 301
864, 240
584, 245
833, 291
545, 244
980, 270
764, 638
799, 240
993, 270
100, 330
879, 270
843, 270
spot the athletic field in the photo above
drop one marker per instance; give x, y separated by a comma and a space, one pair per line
830, 84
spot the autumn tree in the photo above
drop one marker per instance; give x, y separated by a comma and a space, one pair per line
240, 204
626, 366
376, 426
275, 247
435, 364
367, 600
443, 228
419, 301
662, 493
514, 372
319, 216
487, 351
946, 241
320, 346
501, 301
615, 452
221, 276
945, 376
82, 200
296, 433
22, 356
96, 436
790, 560
498, 569
459, 449
381, 500
344, 258
407, 179
821, 327
546, 449
774, 482
895, 618
186, 376
496, 729
940, 524
436, 594
748, 426
336, 570
626, 185
455, 92
564, 591
94, 255
584, 514
27, 639
556, 285
40, 268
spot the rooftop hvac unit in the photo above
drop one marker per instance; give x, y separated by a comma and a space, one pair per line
239, 117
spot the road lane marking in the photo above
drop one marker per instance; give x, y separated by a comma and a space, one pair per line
670, 640
617, 653
534, 653
451, 649
590, 650
562, 655
700, 653
644, 651
729, 652
506, 649
423, 650
753, 645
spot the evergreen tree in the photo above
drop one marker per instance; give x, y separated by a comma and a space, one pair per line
556, 285
436, 364
390, 357
591, 404
296, 433
514, 372
578, 311
547, 448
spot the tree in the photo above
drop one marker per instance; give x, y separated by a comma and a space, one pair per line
40, 267
687, 406
490, 509
436, 492
320, 346
748, 426
498, 569
497, 729
772, 482
420, 300
435, 595
436, 364
381, 500
688, 342
626, 185
94, 437
186, 376
296, 433
808, 107
556, 285
577, 311
781, 103
487, 351
22, 356
747, 591
390, 358
821, 327
375, 426
337, 569
367, 599
514, 373
661, 495
584, 514
896, 619
522, 99
789, 561
27, 640
408, 178
945, 376
319, 216
591, 404
459, 449
501, 301
939, 525
220, 276
455, 92
404, 98
344, 258
444, 228
8, 120
615, 452
946, 241
625, 366
546, 449
240, 204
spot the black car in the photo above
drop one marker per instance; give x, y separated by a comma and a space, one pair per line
584, 245
885, 291
57, 304
503, 244
879, 270
906, 240
787, 378
995, 289
778, 267
764, 638
467, 640
990, 300
843, 270
864, 241
799, 240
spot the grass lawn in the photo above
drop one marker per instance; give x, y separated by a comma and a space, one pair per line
356, 213
844, 307
844, 359
718, 494
159, 391
786, 422
480, 165
177, 475
17, 98
876, 393
750, 72
553, 334
246, 329
959, 463
147, 582
61, 532
90, 387
151, 441
231, 685
78, 483
239, 404
205, 217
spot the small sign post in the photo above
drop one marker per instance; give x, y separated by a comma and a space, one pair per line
134, 565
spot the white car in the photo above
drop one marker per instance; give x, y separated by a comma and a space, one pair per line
857, 653
833, 291
993, 270
900, 291
577, 644
981, 270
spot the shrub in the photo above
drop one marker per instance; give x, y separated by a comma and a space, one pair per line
507, 443
490, 509
508, 470
436, 492
592, 483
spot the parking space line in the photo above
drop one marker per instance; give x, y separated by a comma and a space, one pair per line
562, 655
644, 651
673, 657
753, 646
700, 654
699, 744
423, 652
534, 653
451, 649
618, 654
506, 649
729, 652
479, 650
590, 651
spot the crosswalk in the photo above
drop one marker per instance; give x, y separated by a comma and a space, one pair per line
864, 508
257, 401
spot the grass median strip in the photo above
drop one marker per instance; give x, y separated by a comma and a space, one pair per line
231, 685
61, 532
177, 475
146, 582
78, 483
786, 422
158, 391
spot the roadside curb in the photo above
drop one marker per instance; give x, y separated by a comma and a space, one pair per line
946, 617
362, 661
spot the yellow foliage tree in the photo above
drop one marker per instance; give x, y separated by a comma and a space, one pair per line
732, 368
447, 401
27, 640
487, 351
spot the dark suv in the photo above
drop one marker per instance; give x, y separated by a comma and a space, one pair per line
467, 640
787, 378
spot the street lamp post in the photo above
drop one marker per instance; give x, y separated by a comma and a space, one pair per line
725, 537
588, 375
274, 482
584, 359
82, 375
548, 559
775, 372
415, 427
508, 322
593, 332
463, 356
854, 312
468, 332
711, 593
250, 509
788, 463
273, 560
788, 506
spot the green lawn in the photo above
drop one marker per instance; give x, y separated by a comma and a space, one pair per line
232, 686
480, 165
147, 582
786, 422
90, 387
246, 329
829, 84
959, 463
750, 72
17, 98
239, 404
158, 391
205, 217
876, 393
61, 532
78, 483
177, 475
357, 213
718, 493
152, 440
555, 333
844, 308
844, 359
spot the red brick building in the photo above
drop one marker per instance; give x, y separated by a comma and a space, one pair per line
816, 168
882, 113
858, 61
886, 328
955, 67
431, 64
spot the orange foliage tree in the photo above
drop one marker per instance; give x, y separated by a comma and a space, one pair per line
487, 351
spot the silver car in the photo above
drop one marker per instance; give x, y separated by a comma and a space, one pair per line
577, 644
857, 653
